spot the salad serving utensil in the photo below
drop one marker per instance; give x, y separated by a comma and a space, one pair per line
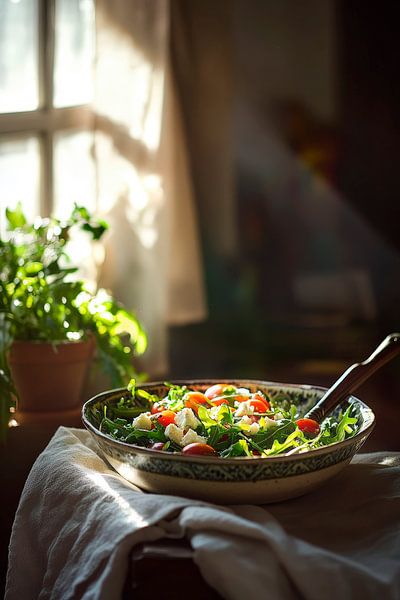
355, 376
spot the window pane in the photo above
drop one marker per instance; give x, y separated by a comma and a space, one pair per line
74, 172
19, 89
75, 182
20, 176
74, 52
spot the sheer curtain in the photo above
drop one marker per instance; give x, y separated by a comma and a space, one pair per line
151, 259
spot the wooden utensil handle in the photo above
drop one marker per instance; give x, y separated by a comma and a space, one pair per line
355, 376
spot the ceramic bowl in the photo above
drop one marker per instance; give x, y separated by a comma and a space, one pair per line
229, 480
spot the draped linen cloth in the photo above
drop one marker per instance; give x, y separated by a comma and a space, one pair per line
78, 520
152, 260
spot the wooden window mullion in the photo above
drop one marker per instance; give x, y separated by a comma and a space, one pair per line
46, 63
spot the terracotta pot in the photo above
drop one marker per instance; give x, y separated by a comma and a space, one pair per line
49, 377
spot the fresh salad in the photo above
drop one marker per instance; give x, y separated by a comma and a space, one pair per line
224, 420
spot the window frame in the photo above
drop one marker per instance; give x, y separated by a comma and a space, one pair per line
45, 121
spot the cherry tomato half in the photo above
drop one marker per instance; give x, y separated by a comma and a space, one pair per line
258, 405
194, 399
156, 408
199, 449
308, 426
262, 398
166, 417
216, 390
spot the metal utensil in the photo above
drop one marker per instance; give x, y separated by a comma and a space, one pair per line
354, 376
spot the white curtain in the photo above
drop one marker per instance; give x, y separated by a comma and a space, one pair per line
152, 261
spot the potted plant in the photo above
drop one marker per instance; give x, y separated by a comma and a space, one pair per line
51, 323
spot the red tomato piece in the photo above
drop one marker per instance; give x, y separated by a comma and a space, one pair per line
194, 399
308, 426
156, 408
199, 449
216, 390
166, 417
258, 405
259, 396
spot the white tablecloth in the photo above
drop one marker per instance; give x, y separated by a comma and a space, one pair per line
78, 520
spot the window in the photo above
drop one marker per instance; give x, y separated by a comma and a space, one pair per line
46, 123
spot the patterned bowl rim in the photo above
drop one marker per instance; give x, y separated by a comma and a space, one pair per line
366, 427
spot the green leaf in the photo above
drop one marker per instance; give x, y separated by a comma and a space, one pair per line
204, 416
345, 426
150, 398
239, 448
80, 213
129, 412
337, 429
281, 447
33, 268
175, 396
215, 432
131, 386
279, 432
225, 415
95, 230
16, 218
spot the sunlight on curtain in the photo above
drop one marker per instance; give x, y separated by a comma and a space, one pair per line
152, 260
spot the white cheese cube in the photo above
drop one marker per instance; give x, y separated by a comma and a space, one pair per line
143, 421
192, 437
254, 427
185, 419
244, 409
251, 427
245, 420
174, 433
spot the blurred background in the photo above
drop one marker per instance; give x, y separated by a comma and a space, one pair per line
291, 115
246, 155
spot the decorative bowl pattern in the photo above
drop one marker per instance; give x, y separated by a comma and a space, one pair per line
230, 480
